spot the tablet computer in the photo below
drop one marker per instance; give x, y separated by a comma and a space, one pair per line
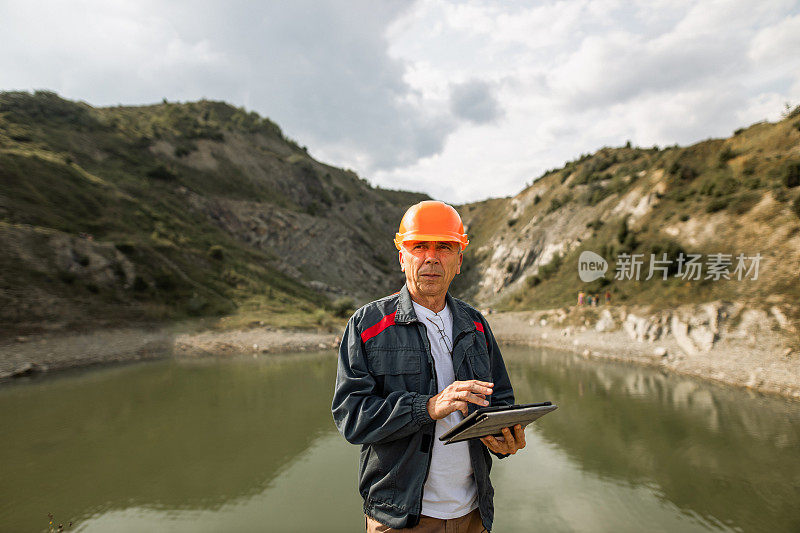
491, 420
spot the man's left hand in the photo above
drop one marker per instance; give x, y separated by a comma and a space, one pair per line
508, 443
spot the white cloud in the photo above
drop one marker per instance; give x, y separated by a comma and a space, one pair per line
575, 76
776, 43
444, 96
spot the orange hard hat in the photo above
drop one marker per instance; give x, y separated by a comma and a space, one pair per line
431, 221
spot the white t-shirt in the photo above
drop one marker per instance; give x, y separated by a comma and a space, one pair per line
450, 491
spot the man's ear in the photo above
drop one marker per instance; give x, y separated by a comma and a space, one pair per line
400, 258
460, 260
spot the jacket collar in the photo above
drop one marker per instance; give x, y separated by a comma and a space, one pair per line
405, 312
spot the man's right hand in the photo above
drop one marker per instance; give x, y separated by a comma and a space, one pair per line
457, 395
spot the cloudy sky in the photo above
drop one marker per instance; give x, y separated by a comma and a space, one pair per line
463, 100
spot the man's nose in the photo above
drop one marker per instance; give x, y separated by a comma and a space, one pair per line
431, 256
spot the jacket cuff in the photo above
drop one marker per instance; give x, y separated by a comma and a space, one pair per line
499, 455
419, 410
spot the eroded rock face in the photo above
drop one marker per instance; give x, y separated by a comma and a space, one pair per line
325, 253
73, 257
605, 322
98, 262
680, 330
753, 322
695, 328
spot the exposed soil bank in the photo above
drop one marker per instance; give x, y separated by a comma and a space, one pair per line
761, 363
50, 352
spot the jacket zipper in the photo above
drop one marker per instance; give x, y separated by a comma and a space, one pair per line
436, 388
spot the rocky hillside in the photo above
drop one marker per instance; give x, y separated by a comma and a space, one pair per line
135, 214
732, 196
120, 214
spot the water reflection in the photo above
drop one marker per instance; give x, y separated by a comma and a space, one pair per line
719, 454
244, 445
160, 435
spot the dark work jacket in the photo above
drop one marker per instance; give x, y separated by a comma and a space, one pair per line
384, 379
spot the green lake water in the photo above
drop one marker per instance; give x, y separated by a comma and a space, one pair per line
250, 445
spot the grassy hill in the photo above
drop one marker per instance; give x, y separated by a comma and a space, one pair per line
728, 196
120, 214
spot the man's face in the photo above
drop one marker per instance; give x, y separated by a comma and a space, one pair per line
430, 266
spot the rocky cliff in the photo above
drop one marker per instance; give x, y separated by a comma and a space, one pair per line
715, 200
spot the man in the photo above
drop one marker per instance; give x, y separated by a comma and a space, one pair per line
412, 365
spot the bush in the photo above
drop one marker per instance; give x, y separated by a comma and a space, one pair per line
343, 307
165, 280
744, 202
683, 171
126, 248
672, 249
622, 232
791, 176
595, 224
216, 252
718, 186
595, 194
533, 281
139, 284
547, 270
796, 206
718, 204
162, 173
726, 155
185, 148
556, 203
780, 194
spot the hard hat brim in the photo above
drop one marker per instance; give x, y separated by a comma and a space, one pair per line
413, 236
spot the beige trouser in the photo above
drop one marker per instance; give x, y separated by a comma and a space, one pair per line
469, 523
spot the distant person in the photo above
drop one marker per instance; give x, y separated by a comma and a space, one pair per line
608, 297
595, 300
411, 366
581, 296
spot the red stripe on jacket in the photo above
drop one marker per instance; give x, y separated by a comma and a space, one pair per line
384, 323
479, 327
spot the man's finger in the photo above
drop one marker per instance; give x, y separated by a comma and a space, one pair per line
519, 435
492, 443
474, 386
512, 447
472, 398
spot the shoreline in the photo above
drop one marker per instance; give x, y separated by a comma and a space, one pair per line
755, 364
758, 366
52, 352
